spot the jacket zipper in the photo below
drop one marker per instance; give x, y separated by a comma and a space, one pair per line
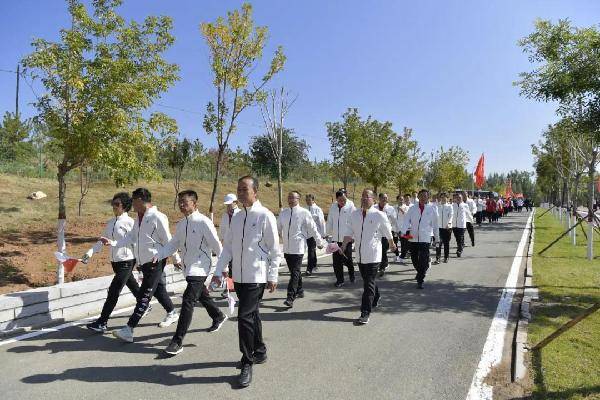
289, 228
242, 250
361, 238
338, 223
185, 243
112, 250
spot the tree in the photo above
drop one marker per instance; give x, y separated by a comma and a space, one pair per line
342, 139
409, 167
178, 155
567, 71
295, 153
13, 133
100, 77
446, 168
273, 110
235, 47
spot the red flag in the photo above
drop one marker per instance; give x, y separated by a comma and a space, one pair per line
70, 264
479, 173
509, 193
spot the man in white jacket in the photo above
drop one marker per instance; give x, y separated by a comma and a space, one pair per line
390, 213
196, 238
472, 207
252, 245
445, 214
366, 228
422, 221
295, 225
149, 234
311, 243
459, 222
402, 209
230, 200
337, 220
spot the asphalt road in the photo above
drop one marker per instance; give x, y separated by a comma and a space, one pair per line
419, 344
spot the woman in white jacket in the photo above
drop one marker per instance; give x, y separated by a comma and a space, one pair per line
121, 258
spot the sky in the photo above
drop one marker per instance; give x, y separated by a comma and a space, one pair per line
443, 68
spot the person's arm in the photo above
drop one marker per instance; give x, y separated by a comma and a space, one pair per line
126, 240
436, 227
321, 224
172, 245
329, 227
212, 239
271, 240
97, 248
226, 255
348, 234
311, 229
405, 223
164, 235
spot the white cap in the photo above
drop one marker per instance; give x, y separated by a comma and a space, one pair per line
229, 198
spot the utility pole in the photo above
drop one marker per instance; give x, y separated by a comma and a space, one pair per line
17, 97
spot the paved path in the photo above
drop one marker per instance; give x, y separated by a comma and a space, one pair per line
418, 345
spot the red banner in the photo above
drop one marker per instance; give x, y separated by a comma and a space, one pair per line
479, 173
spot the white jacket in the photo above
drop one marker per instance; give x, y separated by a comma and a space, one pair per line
390, 212
338, 219
480, 205
401, 211
296, 225
116, 228
472, 209
461, 212
318, 217
445, 214
196, 238
252, 246
367, 232
225, 222
148, 237
423, 225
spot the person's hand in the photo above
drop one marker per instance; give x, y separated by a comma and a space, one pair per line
104, 240
320, 247
154, 260
217, 279
85, 259
393, 247
272, 286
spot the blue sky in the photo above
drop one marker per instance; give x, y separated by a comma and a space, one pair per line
443, 68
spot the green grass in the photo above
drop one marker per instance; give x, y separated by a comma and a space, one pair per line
568, 367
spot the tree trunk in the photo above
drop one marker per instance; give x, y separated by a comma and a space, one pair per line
216, 182
591, 176
62, 220
279, 188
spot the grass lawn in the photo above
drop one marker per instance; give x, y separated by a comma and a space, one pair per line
568, 367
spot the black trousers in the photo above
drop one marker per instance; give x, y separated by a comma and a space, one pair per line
479, 217
153, 284
445, 235
385, 246
294, 263
311, 245
370, 289
123, 276
194, 292
419, 255
396, 237
339, 261
459, 236
249, 323
471, 232
404, 246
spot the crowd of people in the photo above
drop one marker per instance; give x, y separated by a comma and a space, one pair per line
249, 253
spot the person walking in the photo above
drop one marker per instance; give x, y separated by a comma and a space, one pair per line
252, 246
366, 228
472, 210
422, 222
400, 216
230, 201
445, 215
121, 258
311, 243
337, 220
196, 238
459, 222
390, 214
149, 234
295, 225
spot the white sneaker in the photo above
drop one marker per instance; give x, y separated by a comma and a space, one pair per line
125, 334
169, 319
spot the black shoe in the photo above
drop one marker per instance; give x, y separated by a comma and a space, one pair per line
288, 303
420, 285
339, 284
381, 273
352, 279
217, 323
245, 375
445, 259
458, 255
376, 301
362, 320
436, 262
260, 358
173, 349
97, 327
300, 295
308, 273
473, 244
